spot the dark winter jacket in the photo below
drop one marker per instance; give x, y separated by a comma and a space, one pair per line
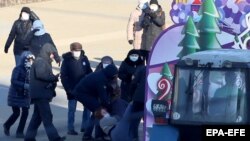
37, 42
91, 90
137, 87
72, 71
18, 95
42, 79
152, 27
20, 32
126, 71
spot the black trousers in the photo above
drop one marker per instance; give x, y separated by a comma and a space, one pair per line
42, 113
16, 113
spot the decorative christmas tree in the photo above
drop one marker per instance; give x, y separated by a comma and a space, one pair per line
189, 42
164, 84
208, 26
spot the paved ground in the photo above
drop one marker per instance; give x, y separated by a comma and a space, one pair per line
100, 25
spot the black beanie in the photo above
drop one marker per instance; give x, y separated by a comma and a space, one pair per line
110, 71
154, 2
26, 9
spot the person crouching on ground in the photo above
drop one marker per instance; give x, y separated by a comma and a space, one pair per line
91, 91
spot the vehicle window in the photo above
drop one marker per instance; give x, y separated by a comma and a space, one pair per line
209, 96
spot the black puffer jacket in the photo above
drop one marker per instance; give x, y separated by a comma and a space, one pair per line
152, 27
126, 71
18, 96
42, 79
20, 32
73, 70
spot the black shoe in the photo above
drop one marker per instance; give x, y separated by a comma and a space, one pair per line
19, 135
82, 130
87, 138
6, 130
72, 132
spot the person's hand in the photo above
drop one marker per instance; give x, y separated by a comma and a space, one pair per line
26, 86
35, 30
152, 15
6, 50
130, 42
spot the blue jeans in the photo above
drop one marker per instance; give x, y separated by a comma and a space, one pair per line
17, 59
71, 115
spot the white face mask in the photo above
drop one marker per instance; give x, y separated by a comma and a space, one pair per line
154, 7
76, 54
104, 65
25, 16
133, 58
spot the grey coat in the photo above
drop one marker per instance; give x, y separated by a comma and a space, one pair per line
152, 27
42, 79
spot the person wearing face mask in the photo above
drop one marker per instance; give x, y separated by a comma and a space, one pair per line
42, 91
134, 29
40, 38
152, 24
126, 71
75, 66
20, 33
19, 97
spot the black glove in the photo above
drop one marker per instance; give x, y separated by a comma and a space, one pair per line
6, 50
152, 15
130, 42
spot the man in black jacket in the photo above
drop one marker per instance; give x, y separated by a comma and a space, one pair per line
75, 66
20, 32
42, 90
91, 91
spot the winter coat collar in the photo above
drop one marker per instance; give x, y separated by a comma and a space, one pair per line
69, 55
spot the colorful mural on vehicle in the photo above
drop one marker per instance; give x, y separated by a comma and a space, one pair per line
197, 25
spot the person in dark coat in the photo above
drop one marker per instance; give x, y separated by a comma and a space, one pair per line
152, 24
137, 89
42, 90
19, 97
118, 105
20, 32
127, 70
91, 91
75, 66
40, 38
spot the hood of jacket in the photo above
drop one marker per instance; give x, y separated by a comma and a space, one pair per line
110, 71
46, 51
138, 62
